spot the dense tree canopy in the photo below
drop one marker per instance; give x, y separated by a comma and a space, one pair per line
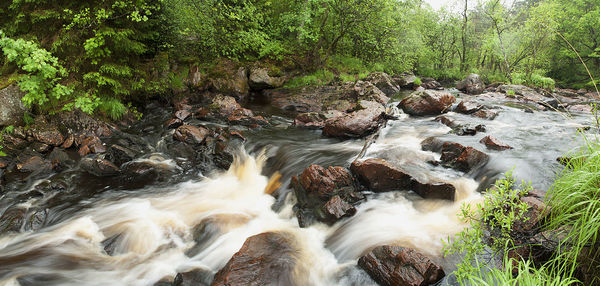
96, 54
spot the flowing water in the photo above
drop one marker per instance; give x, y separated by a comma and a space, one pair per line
103, 232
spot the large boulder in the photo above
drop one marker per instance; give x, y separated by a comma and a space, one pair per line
427, 102
260, 79
462, 158
49, 135
99, 167
231, 81
325, 194
405, 81
380, 176
493, 143
395, 265
191, 134
264, 259
367, 91
472, 84
430, 83
383, 82
11, 106
357, 124
468, 107
523, 92
226, 108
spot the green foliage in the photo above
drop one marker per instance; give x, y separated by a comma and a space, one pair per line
494, 218
28, 119
418, 81
113, 108
534, 80
320, 77
511, 93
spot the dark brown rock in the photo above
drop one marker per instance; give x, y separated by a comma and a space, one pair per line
427, 102
173, 123
310, 120
39, 147
493, 143
191, 134
91, 144
191, 278
99, 167
472, 84
68, 142
34, 164
468, 107
432, 144
446, 121
11, 106
380, 176
462, 158
336, 208
264, 259
182, 114
437, 191
120, 155
48, 135
395, 265
356, 124
485, 114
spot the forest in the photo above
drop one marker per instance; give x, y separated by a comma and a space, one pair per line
299, 142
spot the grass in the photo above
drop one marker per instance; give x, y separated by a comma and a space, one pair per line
113, 108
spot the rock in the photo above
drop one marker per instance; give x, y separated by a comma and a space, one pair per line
383, 82
369, 92
567, 92
181, 103
405, 81
316, 189
182, 114
436, 191
537, 210
427, 102
191, 134
380, 176
468, 107
446, 121
430, 83
39, 147
493, 143
472, 84
99, 167
191, 278
34, 164
395, 265
310, 120
432, 144
91, 144
173, 123
264, 259
226, 108
356, 124
583, 108
260, 79
48, 135
11, 106
68, 142
4, 162
462, 158
230, 81
120, 155
59, 158
80, 124
12, 220
485, 114
526, 93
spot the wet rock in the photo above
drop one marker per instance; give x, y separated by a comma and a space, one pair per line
537, 210
383, 82
356, 124
264, 259
59, 158
310, 120
583, 108
99, 167
34, 164
81, 124
446, 121
462, 158
260, 79
485, 114
469, 130
191, 134
395, 265
48, 135
432, 144
11, 106
472, 84
226, 108
4, 162
91, 144
526, 93
192, 278
120, 155
468, 107
230, 81
427, 102
250, 121
493, 143
367, 91
435, 191
12, 220
315, 190
567, 92
182, 103
68, 142
381, 176
40, 147
173, 123
182, 114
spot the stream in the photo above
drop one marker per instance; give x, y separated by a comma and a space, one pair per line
103, 231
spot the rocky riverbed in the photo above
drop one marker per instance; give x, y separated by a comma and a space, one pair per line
241, 181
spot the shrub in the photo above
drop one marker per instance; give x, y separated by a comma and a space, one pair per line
113, 108
417, 81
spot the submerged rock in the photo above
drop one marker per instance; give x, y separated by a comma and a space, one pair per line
427, 102
472, 84
493, 143
356, 124
395, 265
264, 259
324, 194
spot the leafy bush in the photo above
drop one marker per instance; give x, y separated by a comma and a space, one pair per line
417, 81
534, 80
320, 77
113, 108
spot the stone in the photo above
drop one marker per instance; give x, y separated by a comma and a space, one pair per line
468, 107
231, 81
99, 167
427, 102
383, 82
68, 142
11, 106
336, 208
173, 123
120, 155
436, 191
39, 147
182, 114
91, 144
430, 83
446, 121
405, 81
368, 91
191, 134
264, 259
48, 135
472, 84
313, 120
462, 158
191, 278
34, 164
356, 124
395, 265
525, 93
260, 79
380, 176
485, 114
493, 143
432, 144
